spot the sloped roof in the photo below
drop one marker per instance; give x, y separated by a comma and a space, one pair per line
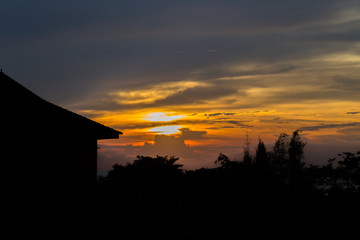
23, 113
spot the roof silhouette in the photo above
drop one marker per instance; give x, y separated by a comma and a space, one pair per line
24, 113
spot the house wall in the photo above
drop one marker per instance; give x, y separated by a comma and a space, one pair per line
49, 183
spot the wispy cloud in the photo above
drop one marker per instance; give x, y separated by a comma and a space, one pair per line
340, 125
119, 61
153, 93
180, 122
219, 114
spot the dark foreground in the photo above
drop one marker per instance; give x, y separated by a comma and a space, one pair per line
154, 199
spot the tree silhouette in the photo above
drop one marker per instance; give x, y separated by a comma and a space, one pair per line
262, 156
152, 197
247, 159
140, 200
223, 160
279, 153
157, 165
345, 177
296, 151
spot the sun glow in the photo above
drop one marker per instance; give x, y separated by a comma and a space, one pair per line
166, 130
162, 117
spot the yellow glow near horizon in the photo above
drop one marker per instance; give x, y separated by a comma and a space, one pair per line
166, 130
162, 117
258, 100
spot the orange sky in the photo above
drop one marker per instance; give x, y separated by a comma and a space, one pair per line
217, 125
192, 78
306, 98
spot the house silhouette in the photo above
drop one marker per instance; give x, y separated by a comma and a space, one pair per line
48, 157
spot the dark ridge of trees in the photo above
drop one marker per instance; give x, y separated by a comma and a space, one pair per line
272, 194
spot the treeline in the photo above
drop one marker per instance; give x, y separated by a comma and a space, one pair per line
272, 193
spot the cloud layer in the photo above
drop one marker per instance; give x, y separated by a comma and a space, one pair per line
228, 67
101, 47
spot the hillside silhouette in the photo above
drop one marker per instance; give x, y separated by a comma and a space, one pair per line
272, 194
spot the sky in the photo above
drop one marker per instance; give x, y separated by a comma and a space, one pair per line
193, 78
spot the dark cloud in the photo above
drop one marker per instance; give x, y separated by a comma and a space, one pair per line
293, 120
218, 128
340, 125
219, 114
167, 17
352, 35
74, 53
291, 95
68, 51
167, 145
142, 125
188, 134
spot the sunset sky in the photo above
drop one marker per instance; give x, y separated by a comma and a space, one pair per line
193, 78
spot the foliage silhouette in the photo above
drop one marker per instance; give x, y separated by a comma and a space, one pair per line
278, 155
296, 151
262, 156
276, 195
247, 159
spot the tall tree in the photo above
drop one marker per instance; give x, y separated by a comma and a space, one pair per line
279, 153
247, 159
261, 158
296, 151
